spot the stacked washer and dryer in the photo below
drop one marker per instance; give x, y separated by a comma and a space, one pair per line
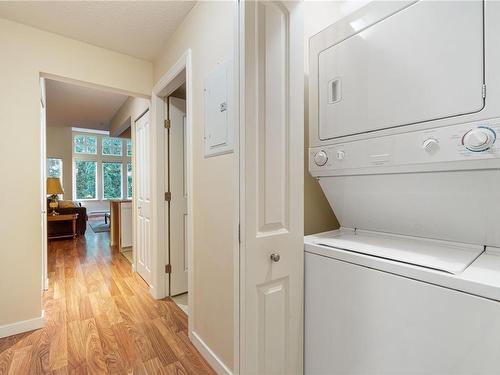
404, 118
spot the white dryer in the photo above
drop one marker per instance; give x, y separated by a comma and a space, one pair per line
404, 117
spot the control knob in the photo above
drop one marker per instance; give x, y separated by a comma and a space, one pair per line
430, 145
320, 158
479, 139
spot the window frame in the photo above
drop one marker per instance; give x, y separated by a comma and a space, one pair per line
102, 179
99, 158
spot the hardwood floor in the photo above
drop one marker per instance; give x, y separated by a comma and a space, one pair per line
100, 318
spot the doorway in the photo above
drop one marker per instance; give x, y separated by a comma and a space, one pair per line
176, 197
172, 110
176, 191
88, 146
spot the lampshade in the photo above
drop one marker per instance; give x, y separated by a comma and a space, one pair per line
54, 186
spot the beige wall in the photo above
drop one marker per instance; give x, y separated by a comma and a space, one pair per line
318, 215
209, 32
128, 113
25, 52
59, 145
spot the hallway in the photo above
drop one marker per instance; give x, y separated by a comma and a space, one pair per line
100, 318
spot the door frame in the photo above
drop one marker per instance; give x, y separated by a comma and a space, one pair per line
164, 87
43, 185
43, 157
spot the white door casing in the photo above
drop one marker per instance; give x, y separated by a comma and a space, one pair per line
177, 220
143, 190
271, 310
43, 183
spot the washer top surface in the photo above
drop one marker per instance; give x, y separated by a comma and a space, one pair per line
444, 256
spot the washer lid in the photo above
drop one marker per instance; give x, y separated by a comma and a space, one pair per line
444, 256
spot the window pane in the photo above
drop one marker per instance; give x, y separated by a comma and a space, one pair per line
54, 168
129, 147
91, 145
112, 180
85, 173
112, 146
85, 144
129, 180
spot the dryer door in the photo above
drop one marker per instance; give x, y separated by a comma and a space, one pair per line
423, 63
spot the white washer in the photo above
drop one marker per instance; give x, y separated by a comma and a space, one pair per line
367, 313
404, 120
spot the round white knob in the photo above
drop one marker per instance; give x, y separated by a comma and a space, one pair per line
479, 139
320, 158
430, 144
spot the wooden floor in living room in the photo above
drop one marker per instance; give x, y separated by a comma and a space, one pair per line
100, 318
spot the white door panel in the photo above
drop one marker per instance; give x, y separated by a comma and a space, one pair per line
422, 63
143, 149
272, 195
178, 205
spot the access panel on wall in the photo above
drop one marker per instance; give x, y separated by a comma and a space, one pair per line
421, 63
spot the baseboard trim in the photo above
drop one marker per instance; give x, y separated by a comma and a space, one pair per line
207, 353
22, 326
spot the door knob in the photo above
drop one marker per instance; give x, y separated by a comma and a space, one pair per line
275, 257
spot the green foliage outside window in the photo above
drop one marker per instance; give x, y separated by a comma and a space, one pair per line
54, 167
112, 146
129, 147
129, 180
112, 176
85, 174
85, 144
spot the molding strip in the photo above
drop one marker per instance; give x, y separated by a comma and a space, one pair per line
22, 326
207, 353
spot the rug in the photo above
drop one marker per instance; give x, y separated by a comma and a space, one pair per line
99, 226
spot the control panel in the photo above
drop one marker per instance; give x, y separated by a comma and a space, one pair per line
455, 143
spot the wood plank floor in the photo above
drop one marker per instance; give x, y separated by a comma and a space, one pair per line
100, 318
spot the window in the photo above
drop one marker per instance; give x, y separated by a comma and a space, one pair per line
85, 179
112, 146
112, 180
55, 168
85, 144
129, 147
129, 180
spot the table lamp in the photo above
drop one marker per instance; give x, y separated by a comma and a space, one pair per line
53, 189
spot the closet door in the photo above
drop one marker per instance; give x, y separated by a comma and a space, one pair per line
272, 190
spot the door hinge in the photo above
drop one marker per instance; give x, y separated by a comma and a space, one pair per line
484, 91
168, 268
239, 233
168, 196
167, 124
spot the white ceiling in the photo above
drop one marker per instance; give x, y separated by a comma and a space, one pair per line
82, 107
136, 28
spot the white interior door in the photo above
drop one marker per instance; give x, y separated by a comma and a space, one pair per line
178, 203
143, 189
271, 281
43, 183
